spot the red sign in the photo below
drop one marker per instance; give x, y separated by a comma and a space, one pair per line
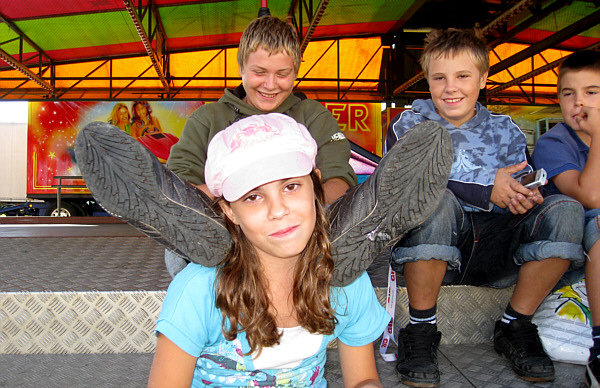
53, 127
360, 123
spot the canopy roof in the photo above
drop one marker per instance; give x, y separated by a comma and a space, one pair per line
352, 49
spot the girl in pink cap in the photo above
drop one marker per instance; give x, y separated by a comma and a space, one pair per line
271, 312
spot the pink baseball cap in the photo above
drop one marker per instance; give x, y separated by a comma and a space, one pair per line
257, 150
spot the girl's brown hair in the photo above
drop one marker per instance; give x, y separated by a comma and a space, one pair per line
241, 289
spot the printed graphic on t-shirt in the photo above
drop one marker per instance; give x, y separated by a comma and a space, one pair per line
223, 365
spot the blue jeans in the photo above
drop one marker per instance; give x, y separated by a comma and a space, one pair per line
592, 228
174, 262
591, 234
487, 249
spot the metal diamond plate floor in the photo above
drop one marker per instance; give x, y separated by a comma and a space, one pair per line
69, 261
461, 366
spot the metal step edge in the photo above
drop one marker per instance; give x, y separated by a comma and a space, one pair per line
90, 322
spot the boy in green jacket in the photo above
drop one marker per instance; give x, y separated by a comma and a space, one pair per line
402, 192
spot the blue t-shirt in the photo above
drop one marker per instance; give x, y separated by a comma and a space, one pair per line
557, 151
191, 320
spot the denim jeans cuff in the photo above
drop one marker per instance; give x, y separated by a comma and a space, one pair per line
447, 253
540, 250
591, 233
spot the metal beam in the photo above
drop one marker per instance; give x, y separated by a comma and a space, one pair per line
361, 71
24, 37
131, 82
524, 77
560, 36
535, 17
538, 71
410, 12
25, 70
18, 64
313, 19
198, 72
494, 24
556, 38
506, 16
313, 25
317, 62
409, 83
63, 91
161, 40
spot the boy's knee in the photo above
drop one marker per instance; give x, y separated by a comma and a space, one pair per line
591, 233
445, 219
564, 206
565, 214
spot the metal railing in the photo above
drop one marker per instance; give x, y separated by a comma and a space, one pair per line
60, 185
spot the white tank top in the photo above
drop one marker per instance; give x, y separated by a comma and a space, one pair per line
296, 344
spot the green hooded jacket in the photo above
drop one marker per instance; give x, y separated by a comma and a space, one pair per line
188, 155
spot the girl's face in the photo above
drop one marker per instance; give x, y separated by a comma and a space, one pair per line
278, 218
123, 115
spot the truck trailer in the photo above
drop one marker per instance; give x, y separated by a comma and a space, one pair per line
40, 174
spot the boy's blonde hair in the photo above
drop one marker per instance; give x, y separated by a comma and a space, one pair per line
453, 41
581, 60
273, 35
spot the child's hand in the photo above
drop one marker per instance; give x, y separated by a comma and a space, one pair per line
589, 120
508, 193
521, 204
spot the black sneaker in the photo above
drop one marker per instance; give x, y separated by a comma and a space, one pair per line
417, 355
401, 194
129, 182
592, 373
520, 343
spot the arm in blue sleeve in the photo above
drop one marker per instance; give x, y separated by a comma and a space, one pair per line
476, 195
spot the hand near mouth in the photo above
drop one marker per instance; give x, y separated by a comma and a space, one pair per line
589, 120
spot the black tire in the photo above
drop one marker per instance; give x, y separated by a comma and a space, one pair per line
67, 210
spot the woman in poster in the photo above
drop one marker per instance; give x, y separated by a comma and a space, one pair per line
143, 122
120, 117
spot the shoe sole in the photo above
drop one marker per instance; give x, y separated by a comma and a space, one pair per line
409, 193
129, 182
535, 379
406, 380
521, 374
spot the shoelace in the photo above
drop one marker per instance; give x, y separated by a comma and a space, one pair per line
527, 340
420, 346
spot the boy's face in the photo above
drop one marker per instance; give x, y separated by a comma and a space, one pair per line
268, 79
454, 83
578, 88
